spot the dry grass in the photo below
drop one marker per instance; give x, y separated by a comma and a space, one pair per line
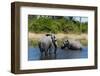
83, 38
59, 36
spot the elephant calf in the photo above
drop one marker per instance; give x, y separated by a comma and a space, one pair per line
48, 43
72, 44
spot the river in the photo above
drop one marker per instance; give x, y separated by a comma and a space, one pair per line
34, 54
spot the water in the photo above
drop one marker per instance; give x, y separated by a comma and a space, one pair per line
34, 54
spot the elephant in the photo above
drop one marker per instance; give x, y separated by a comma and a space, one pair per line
72, 45
48, 43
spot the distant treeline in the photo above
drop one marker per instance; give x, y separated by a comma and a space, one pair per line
56, 24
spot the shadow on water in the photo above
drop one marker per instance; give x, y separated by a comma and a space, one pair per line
34, 54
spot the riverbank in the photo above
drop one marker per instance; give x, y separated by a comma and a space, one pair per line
34, 37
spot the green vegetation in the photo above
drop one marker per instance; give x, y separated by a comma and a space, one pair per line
33, 42
55, 24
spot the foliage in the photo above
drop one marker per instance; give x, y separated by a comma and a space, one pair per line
33, 43
55, 24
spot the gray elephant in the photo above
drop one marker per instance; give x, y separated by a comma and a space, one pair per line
72, 45
47, 44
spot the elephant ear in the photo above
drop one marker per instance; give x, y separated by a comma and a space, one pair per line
53, 37
67, 42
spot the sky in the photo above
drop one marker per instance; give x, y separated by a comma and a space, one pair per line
83, 19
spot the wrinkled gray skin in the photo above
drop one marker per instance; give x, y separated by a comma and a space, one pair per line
47, 44
72, 45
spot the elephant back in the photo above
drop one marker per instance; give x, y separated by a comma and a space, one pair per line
75, 43
45, 41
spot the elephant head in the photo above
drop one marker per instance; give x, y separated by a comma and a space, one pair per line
54, 41
65, 44
73, 45
53, 38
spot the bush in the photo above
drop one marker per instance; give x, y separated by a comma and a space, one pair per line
51, 24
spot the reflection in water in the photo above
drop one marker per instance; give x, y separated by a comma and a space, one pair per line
34, 54
47, 57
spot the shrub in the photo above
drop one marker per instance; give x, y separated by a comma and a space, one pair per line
54, 24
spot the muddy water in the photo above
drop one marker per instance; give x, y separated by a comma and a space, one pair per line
34, 54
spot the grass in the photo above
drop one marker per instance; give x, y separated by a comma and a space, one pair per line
33, 40
84, 42
33, 43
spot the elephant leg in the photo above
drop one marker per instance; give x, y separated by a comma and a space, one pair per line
55, 50
41, 53
41, 49
55, 47
46, 52
49, 50
41, 56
